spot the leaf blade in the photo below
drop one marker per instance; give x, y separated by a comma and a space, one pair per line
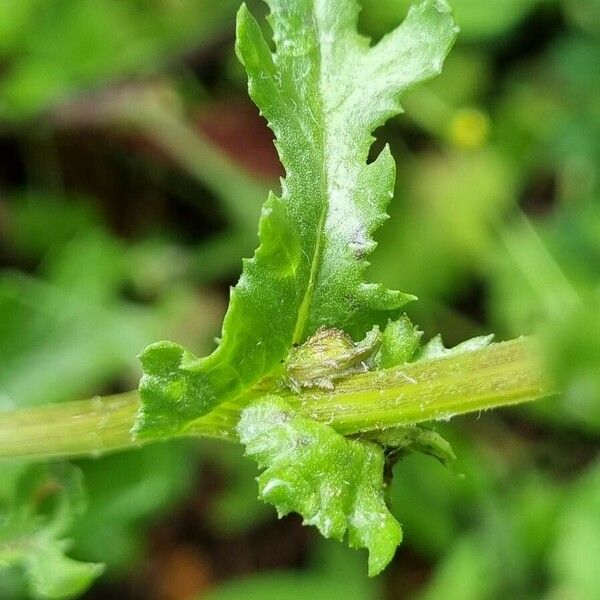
323, 91
335, 483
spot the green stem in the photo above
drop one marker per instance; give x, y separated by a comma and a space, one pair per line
242, 194
153, 112
500, 375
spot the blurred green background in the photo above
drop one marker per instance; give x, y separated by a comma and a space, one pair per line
132, 170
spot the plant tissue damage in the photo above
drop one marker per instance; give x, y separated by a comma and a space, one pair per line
329, 355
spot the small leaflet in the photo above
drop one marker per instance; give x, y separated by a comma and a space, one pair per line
399, 343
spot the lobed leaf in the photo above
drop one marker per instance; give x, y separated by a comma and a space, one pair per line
323, 91
33, 525
335, 483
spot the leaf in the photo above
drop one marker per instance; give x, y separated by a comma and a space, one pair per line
32, 531
572, 560
323, 91
435, 348
399, 441
335, 483
64, 53
399, 343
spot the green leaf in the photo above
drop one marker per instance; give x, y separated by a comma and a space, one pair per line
33, 524
56, 57
399, 343
399, 441
335, 483
323, 91
572, 560
435, 348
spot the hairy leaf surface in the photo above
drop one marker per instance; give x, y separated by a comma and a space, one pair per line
323, 91
335, 483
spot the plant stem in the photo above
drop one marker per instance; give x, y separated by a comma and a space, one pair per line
500, 375
153, 112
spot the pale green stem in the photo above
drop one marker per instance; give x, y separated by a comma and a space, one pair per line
153, 112
242, 193
500, 375
145, 111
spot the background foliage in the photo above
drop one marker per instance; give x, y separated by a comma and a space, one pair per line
131, 174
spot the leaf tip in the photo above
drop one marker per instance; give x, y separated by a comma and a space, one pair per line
161, 357
381, 556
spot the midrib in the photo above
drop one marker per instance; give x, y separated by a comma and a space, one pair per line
304, 308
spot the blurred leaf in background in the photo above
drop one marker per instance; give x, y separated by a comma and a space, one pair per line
38, 507
334, 570
478, 21
99, 41
71, 330
77, 328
